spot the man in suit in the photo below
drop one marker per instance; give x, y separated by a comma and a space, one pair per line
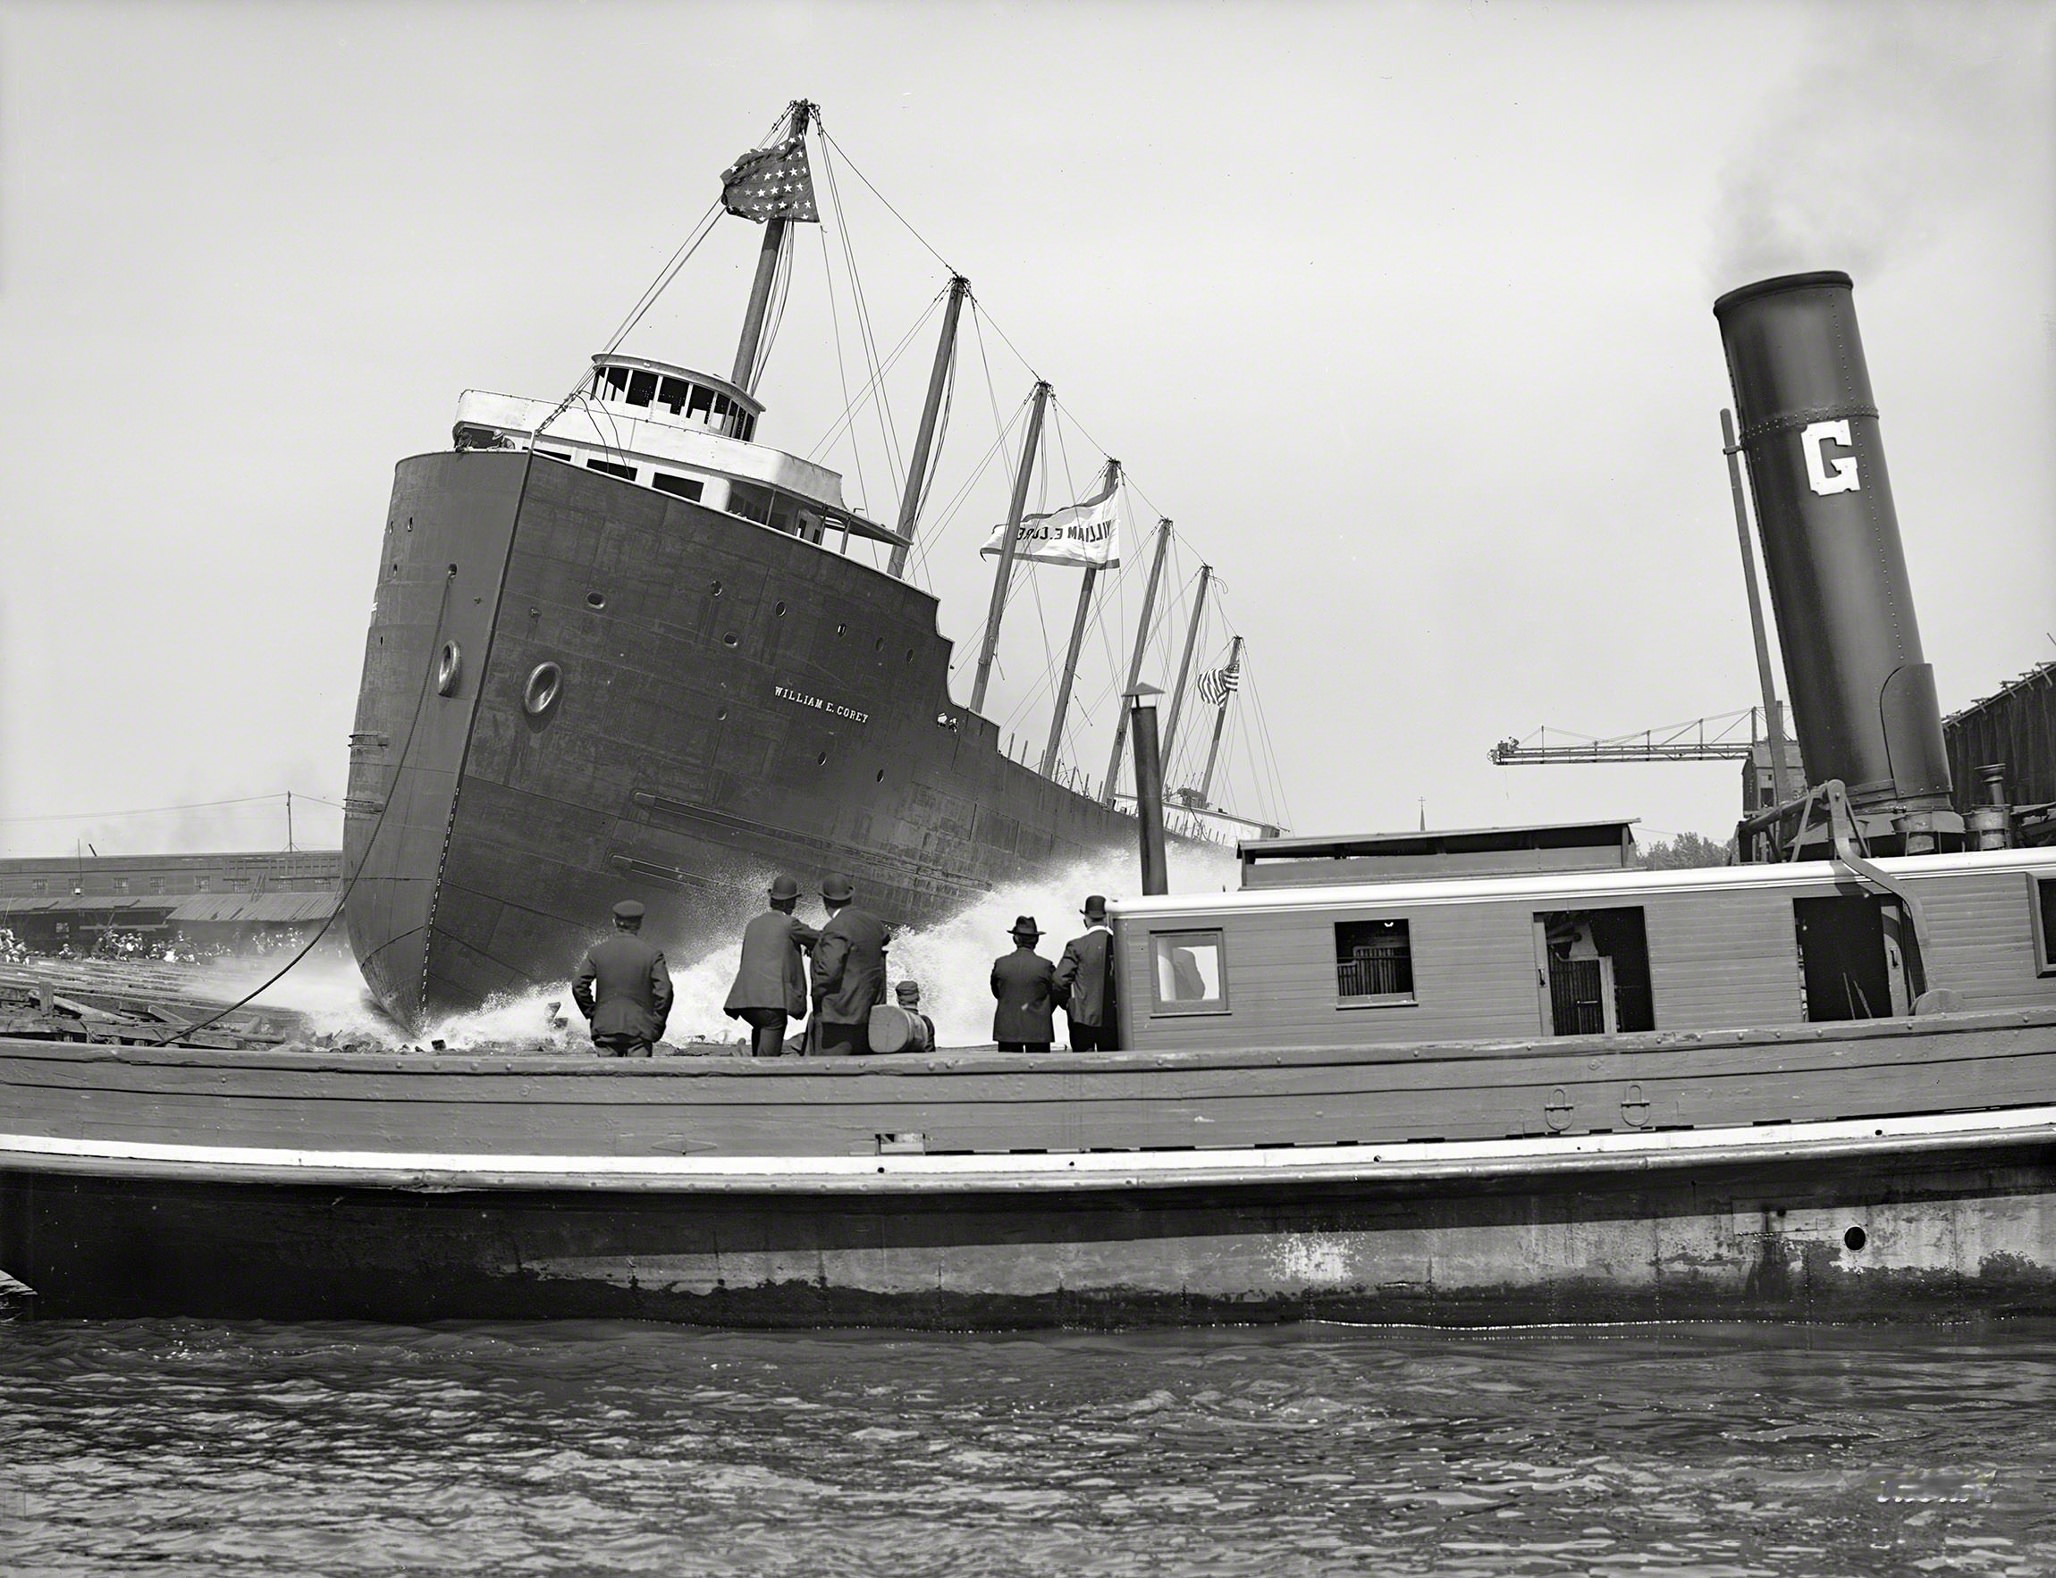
849, 972
624, 988
771, 985
1085, 981
1024, 985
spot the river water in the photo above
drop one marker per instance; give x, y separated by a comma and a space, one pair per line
589, 1448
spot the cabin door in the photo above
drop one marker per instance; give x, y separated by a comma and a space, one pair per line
1592, 972
1853, 957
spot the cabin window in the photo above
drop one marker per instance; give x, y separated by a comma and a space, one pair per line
617, 381
745, 427
2045, 924
1188, 972
642, 387
751, 503
702, 401
682, 487
671, 394
1373, 963
720, 409
553, 454
609, 468
1593, 970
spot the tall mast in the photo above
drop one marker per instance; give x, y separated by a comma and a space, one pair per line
1056, 721
938, 377
1156, 574
1206, 574
1005, 572
744, 377
1213, 753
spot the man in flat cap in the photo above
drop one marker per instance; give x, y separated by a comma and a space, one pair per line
849, 972
771, 985
624, 988
1085, 981
1024, 985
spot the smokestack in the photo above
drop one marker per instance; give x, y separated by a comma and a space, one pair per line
1863, 697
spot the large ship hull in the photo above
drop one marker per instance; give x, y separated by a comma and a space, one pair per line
731, 702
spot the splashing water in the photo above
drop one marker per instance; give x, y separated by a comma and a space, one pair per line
951, 959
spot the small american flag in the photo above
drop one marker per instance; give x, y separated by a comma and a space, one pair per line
771, 183
1218, 684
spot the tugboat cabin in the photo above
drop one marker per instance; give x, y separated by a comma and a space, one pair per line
686, 433
1545, 935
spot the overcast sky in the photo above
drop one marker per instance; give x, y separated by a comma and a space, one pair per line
1401, 311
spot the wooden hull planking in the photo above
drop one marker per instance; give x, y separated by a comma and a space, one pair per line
1887, 1169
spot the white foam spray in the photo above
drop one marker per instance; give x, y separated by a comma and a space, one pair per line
951, 959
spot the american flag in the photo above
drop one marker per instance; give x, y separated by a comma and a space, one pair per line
1218, 684
771, 183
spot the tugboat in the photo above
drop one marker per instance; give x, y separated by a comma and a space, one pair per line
619, 648
1460, 1077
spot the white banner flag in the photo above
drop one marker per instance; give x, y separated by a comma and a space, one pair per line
1081, 534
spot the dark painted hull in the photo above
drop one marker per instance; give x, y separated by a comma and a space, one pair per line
735, 703
1766, 1241
1885, 1169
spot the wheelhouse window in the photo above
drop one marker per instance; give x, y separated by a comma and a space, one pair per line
1373, 963
682, 487
2045, 924
617, 382
751, 503
642, 386
609, 468
1595, 970
1188, 972
671, 394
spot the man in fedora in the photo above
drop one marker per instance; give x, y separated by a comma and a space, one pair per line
1024, 983
1085, 981
771, 985
624, 988
849, 972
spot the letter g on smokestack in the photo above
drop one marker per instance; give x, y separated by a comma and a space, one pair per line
1863, 697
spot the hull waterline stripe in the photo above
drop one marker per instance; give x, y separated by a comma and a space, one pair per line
1481, 1162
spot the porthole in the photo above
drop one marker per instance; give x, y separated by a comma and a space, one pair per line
720, 714
1855, 1238
910, 654
878, 645
715, 588
545, 684
448, 667
842, 629
881, 775
779, 610
821, 760
730, 639
596, 599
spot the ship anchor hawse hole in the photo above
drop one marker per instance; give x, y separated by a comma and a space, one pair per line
545, 684
448, 668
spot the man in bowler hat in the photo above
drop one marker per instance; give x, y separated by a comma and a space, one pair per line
624, 988
1085, 981
1024, 984
849, 972
771, 985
